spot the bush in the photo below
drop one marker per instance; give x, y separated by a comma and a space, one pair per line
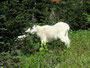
16, 16
30, 45
8, 60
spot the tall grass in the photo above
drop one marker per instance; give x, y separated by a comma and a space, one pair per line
78, 55
58, 56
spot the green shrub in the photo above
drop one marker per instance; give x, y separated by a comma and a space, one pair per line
8, 60
29, 45
18, 15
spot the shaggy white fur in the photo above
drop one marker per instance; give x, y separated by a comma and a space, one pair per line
57, 31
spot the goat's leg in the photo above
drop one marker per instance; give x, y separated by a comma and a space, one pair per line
65, 40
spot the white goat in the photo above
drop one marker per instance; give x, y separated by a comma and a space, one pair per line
57, 31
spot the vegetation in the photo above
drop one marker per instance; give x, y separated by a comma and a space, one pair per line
17, 15
57, 56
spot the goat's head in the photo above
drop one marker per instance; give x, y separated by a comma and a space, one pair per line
34, 29
28, 30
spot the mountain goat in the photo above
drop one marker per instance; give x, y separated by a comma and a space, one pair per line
47, 32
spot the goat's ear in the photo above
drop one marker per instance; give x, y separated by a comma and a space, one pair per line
35, 25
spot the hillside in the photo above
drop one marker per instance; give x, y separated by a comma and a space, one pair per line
78, 55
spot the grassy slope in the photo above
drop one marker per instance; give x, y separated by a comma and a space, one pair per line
77, 56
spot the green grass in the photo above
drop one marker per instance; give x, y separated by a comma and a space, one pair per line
77, 56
